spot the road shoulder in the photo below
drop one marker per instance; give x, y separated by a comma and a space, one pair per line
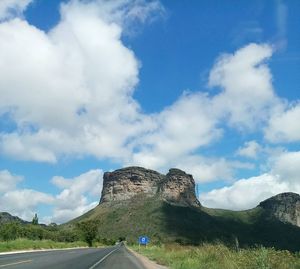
37, 250
148, 264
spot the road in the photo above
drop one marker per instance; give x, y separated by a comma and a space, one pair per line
117, 257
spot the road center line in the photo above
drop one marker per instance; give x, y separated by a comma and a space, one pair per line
15, 263
98, 262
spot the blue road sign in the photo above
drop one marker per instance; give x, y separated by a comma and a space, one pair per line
143, 240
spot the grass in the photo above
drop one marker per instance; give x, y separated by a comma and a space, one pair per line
218, 256
26, 244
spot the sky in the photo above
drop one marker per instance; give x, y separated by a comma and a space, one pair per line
210, 87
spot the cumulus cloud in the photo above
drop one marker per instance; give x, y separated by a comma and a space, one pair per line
8, 181
78, 195
195, 120
247, 193
245, 79
18, 201
179, 129
12, 8
69, 91
284, 126
24, 202
287, 166
249, 150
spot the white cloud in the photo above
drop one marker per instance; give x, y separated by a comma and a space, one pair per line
180, 129
77, 196
250, 149
248, 193
246, 101
8, 181
206, 169
73, 200
17, 201
12, 8
245, 193
69, 90
246, 80
24, 202
287, 166
284, 126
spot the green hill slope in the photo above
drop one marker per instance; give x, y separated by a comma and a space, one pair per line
165, 222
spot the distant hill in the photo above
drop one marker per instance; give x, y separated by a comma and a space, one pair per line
8, 218
137, 201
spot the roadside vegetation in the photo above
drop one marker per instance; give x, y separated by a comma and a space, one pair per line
27, 244
219, 256
19, 236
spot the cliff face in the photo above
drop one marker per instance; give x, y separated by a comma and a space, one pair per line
284, 207
176, 187
179, 188
125, 183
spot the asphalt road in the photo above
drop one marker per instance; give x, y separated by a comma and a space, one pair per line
117, 257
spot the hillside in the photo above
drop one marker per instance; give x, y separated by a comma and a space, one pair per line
164, 208
8, 218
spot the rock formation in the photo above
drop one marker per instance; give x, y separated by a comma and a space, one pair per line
179, 188
125, 183
176, 187
284, 207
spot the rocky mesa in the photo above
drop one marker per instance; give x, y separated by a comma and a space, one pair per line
176, 187
284, 207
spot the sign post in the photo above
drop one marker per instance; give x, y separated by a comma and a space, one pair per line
143, 240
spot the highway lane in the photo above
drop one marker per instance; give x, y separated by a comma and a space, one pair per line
117, 257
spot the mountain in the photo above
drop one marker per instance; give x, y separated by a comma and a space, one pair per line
137, 201
8, 218
284, 207
176, 187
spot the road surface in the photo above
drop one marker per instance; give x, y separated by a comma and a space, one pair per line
117, 257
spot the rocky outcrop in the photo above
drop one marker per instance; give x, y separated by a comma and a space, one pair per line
179, 188
176, 187
284, 207
125, 183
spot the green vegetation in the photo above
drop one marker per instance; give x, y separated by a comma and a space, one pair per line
35, 220
219, 256
89, 231
17, 236
166, 223
13, 230
22, 244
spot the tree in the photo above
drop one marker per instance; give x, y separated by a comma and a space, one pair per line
35, 220
89, 231
9, 231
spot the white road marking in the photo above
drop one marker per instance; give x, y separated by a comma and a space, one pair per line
98, 262
15, 263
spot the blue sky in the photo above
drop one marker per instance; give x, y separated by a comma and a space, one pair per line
210, 87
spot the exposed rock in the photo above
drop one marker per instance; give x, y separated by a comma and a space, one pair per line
125, 183
179, 188
284, 207
176, 187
